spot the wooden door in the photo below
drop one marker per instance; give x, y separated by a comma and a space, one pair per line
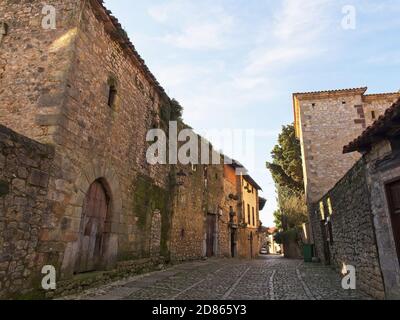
393, 194
211, 227
92, 229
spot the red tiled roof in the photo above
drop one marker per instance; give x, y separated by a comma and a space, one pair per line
237, 165
380, 126
382, 94
363, 89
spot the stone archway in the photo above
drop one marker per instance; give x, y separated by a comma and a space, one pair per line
99, 172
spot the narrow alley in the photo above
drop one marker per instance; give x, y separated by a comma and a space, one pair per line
266, 278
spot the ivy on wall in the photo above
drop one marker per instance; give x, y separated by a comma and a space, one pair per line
148, 197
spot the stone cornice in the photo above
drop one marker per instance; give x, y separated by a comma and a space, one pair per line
329, 93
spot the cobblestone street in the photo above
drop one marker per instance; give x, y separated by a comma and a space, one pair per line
267, 278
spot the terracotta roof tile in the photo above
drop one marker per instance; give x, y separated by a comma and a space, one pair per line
364, 89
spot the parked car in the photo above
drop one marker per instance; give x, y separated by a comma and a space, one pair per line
263, 251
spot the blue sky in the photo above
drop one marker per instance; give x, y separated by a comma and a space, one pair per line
234, 64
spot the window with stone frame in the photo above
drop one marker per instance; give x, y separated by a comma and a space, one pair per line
254, 216
248, 215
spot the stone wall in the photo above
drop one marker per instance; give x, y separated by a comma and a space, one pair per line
110, 141
200, 194
325, 123
25, 168
383, 167
34, 63
353, 240
231, 202
57, 92
57, 86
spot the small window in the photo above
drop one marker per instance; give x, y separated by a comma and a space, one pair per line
313, 104
373, 115
248, 214
112, 92
254, 216
111, 96
343, 102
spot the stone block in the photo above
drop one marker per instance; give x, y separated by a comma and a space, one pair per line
47, 119
38, 178
19, 185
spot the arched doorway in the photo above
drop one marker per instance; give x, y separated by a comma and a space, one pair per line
92, 229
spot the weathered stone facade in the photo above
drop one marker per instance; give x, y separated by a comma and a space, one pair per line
199, 195
383, 167
346, 232
83, 90
232, 205
25, 168
58, 84
325, 122
243, 201
357, 222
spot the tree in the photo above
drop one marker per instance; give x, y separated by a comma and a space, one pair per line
176, 110
287, 172
286, 168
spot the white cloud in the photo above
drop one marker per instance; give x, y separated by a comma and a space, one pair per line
301, 20
294, 36
176, 76
266, 59
194, 25
207, 35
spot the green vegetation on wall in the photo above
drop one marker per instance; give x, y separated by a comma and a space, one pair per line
149, 197
287, 172
171, 111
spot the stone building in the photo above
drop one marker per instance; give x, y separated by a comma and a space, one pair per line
356, 222
199, 220
83, 89
244, 203
76, 190
379, 145
327, 120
